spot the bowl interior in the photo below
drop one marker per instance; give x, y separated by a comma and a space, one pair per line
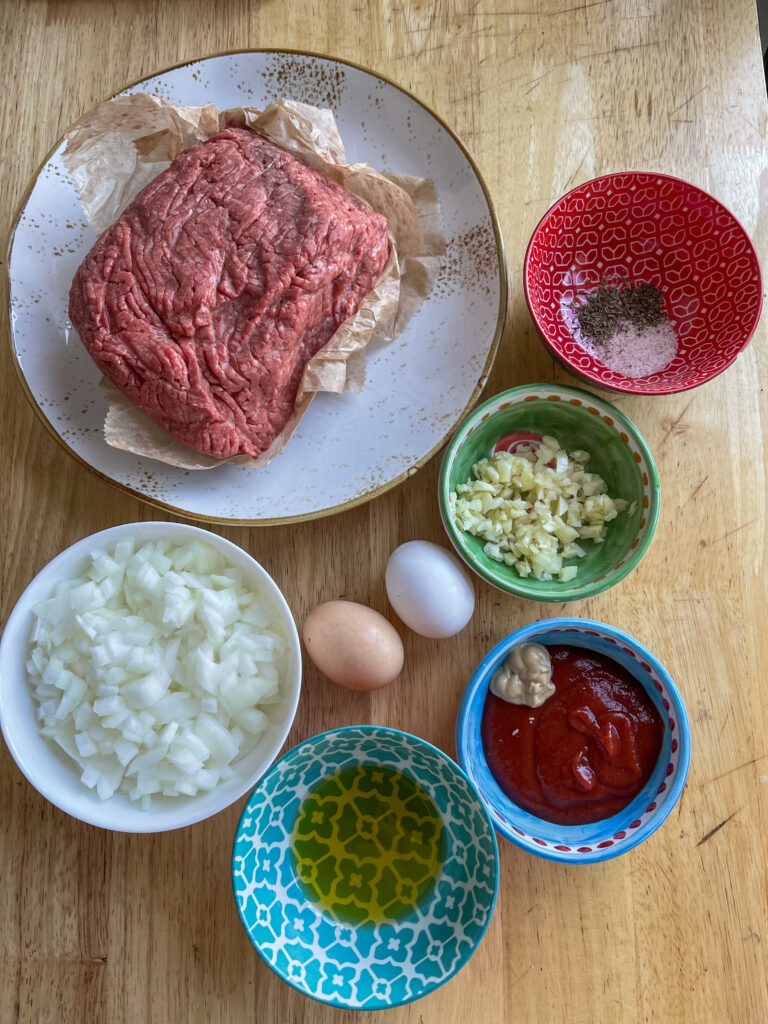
404, 952
578, 420
54, 774
657, 229
612, 836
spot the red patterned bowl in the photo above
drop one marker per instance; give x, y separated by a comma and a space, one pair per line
651, 228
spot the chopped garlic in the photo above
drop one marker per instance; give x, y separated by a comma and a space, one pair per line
532, 506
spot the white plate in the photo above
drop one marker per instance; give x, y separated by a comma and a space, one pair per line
348, 448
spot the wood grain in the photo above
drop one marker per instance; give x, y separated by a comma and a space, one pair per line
110, 928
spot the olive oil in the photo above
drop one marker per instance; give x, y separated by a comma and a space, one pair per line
368, 844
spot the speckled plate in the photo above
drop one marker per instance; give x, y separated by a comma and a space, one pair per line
348, 448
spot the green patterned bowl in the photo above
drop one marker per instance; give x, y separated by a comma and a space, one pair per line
365, 868
579, 420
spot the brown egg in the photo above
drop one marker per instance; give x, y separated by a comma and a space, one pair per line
353, 645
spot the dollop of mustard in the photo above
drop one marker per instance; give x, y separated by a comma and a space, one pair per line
525, 677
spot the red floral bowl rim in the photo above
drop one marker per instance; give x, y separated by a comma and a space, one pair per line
593, 378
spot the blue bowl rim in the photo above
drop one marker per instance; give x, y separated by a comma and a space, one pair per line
518, 587
480, 803
479, 678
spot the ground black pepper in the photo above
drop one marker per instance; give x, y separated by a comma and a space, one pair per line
612, 308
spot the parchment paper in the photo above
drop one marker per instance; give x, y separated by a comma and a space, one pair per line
119, 146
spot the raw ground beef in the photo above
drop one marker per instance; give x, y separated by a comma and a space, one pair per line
225, 275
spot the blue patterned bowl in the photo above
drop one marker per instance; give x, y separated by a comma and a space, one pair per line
399, 955
601, 840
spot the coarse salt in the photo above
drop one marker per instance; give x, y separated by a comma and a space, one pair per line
633, 353
636, 353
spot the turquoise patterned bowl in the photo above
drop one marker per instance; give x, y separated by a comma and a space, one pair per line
618, 453
365, 868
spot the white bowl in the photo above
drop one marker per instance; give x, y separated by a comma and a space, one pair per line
54, 774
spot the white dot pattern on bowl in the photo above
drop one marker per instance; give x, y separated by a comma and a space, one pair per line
624, 836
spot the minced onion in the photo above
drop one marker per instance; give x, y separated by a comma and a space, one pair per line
154, 669
531, 508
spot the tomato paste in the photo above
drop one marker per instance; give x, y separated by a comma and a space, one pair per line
586, 752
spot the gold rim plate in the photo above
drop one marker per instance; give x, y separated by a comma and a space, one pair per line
374, 491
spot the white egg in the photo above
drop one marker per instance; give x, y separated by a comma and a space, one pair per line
429, 589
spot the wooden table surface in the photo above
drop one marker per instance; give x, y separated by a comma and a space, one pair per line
103, 927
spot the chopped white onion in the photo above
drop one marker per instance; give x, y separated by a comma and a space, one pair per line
149, 668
